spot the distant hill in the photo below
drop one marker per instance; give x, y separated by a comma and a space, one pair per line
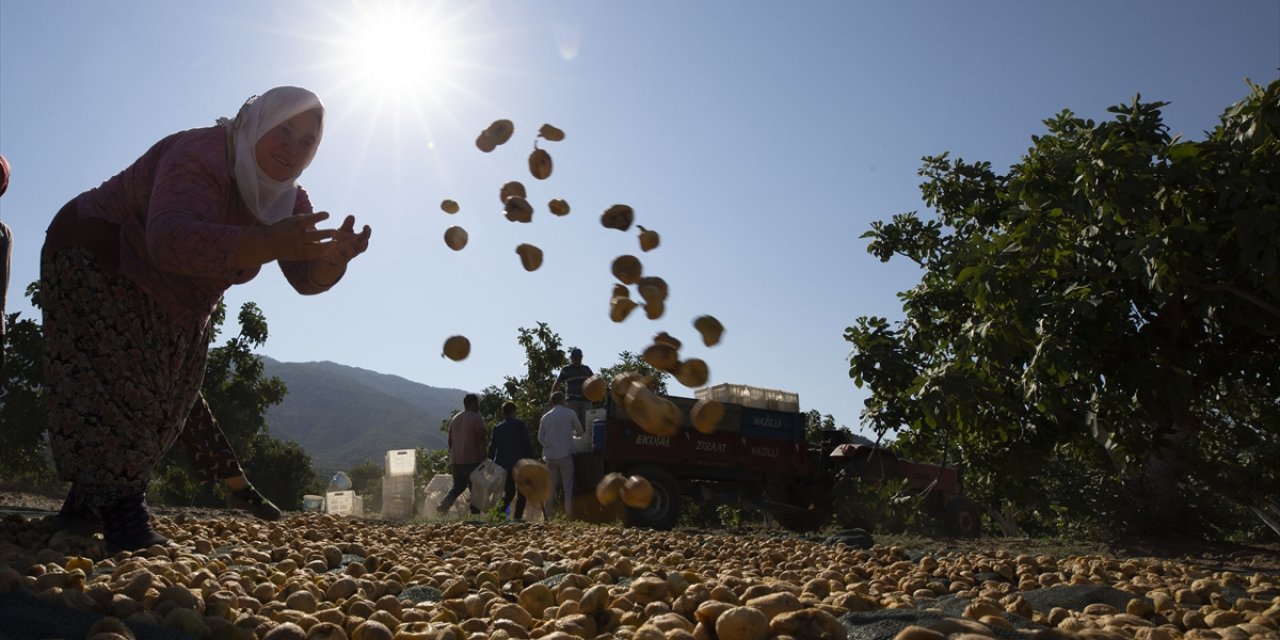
343, 416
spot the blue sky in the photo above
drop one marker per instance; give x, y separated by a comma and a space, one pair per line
761, 139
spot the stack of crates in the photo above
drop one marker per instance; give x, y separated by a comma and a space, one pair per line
397, 484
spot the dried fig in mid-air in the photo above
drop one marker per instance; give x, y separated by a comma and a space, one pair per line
662, 357
449, 206
706, 414
652, 289
627, 269
621, 290
619, 216
648, 238
485, 143
513, 188
610, 488
548, 132
558, 207
637, 493
540, 164
654, 309
500, 131
457, 348
655, 414
594, 388
710, 328
455, 237
518, 209
662, 337
620, 308
692, 373
530, 257
622, 383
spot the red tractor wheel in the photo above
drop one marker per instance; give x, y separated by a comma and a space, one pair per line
962, 518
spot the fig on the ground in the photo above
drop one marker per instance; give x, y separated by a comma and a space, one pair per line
530, 256
457, 348
517, 209
649, 238
706, 414
710, 328
548, 132
558, 206
540, 164
455, 237
627, 269
618, 216
449, 206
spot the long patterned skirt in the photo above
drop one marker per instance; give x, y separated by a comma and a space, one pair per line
122, 381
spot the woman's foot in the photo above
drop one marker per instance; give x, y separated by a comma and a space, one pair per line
248, 499
75, 520
126, 526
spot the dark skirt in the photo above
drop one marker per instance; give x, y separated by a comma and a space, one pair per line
122, 381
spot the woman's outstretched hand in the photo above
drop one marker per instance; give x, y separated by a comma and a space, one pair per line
296, 238
347, 244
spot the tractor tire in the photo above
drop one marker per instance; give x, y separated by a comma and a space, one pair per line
662, 513
962, 518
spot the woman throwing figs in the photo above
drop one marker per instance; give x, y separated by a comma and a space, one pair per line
130, 274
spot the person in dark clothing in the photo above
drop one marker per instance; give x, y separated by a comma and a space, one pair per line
509, 445
571, 378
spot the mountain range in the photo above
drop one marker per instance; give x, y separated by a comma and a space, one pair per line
343, 416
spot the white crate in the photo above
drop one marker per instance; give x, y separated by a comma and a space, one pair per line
341, 503
754, 397
357, 506
401, 462
397, 497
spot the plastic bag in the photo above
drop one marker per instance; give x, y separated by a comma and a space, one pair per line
487, 484
340, 482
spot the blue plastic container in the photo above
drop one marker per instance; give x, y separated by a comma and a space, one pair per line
597, 435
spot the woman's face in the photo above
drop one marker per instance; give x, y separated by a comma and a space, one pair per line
284, 150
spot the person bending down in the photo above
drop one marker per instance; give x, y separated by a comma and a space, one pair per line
130, 274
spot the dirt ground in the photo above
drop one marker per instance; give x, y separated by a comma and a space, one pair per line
1247, 558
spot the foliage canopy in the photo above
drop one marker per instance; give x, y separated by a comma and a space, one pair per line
1109, 307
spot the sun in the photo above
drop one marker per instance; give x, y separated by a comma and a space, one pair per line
393, 49
397, 53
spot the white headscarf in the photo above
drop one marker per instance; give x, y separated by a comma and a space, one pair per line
269, 200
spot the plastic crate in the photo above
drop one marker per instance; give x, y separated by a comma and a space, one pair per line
754, 397
340, 503
401, 462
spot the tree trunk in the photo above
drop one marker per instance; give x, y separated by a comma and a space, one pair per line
1166, 467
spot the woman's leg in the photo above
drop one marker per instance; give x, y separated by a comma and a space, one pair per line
215, 460
120, 379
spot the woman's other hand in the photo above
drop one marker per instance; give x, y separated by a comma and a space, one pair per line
294, 238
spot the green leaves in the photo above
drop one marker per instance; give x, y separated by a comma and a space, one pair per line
1114, 276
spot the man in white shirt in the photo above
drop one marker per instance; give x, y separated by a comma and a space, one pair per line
556, 432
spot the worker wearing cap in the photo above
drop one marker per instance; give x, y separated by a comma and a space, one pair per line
572, 377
